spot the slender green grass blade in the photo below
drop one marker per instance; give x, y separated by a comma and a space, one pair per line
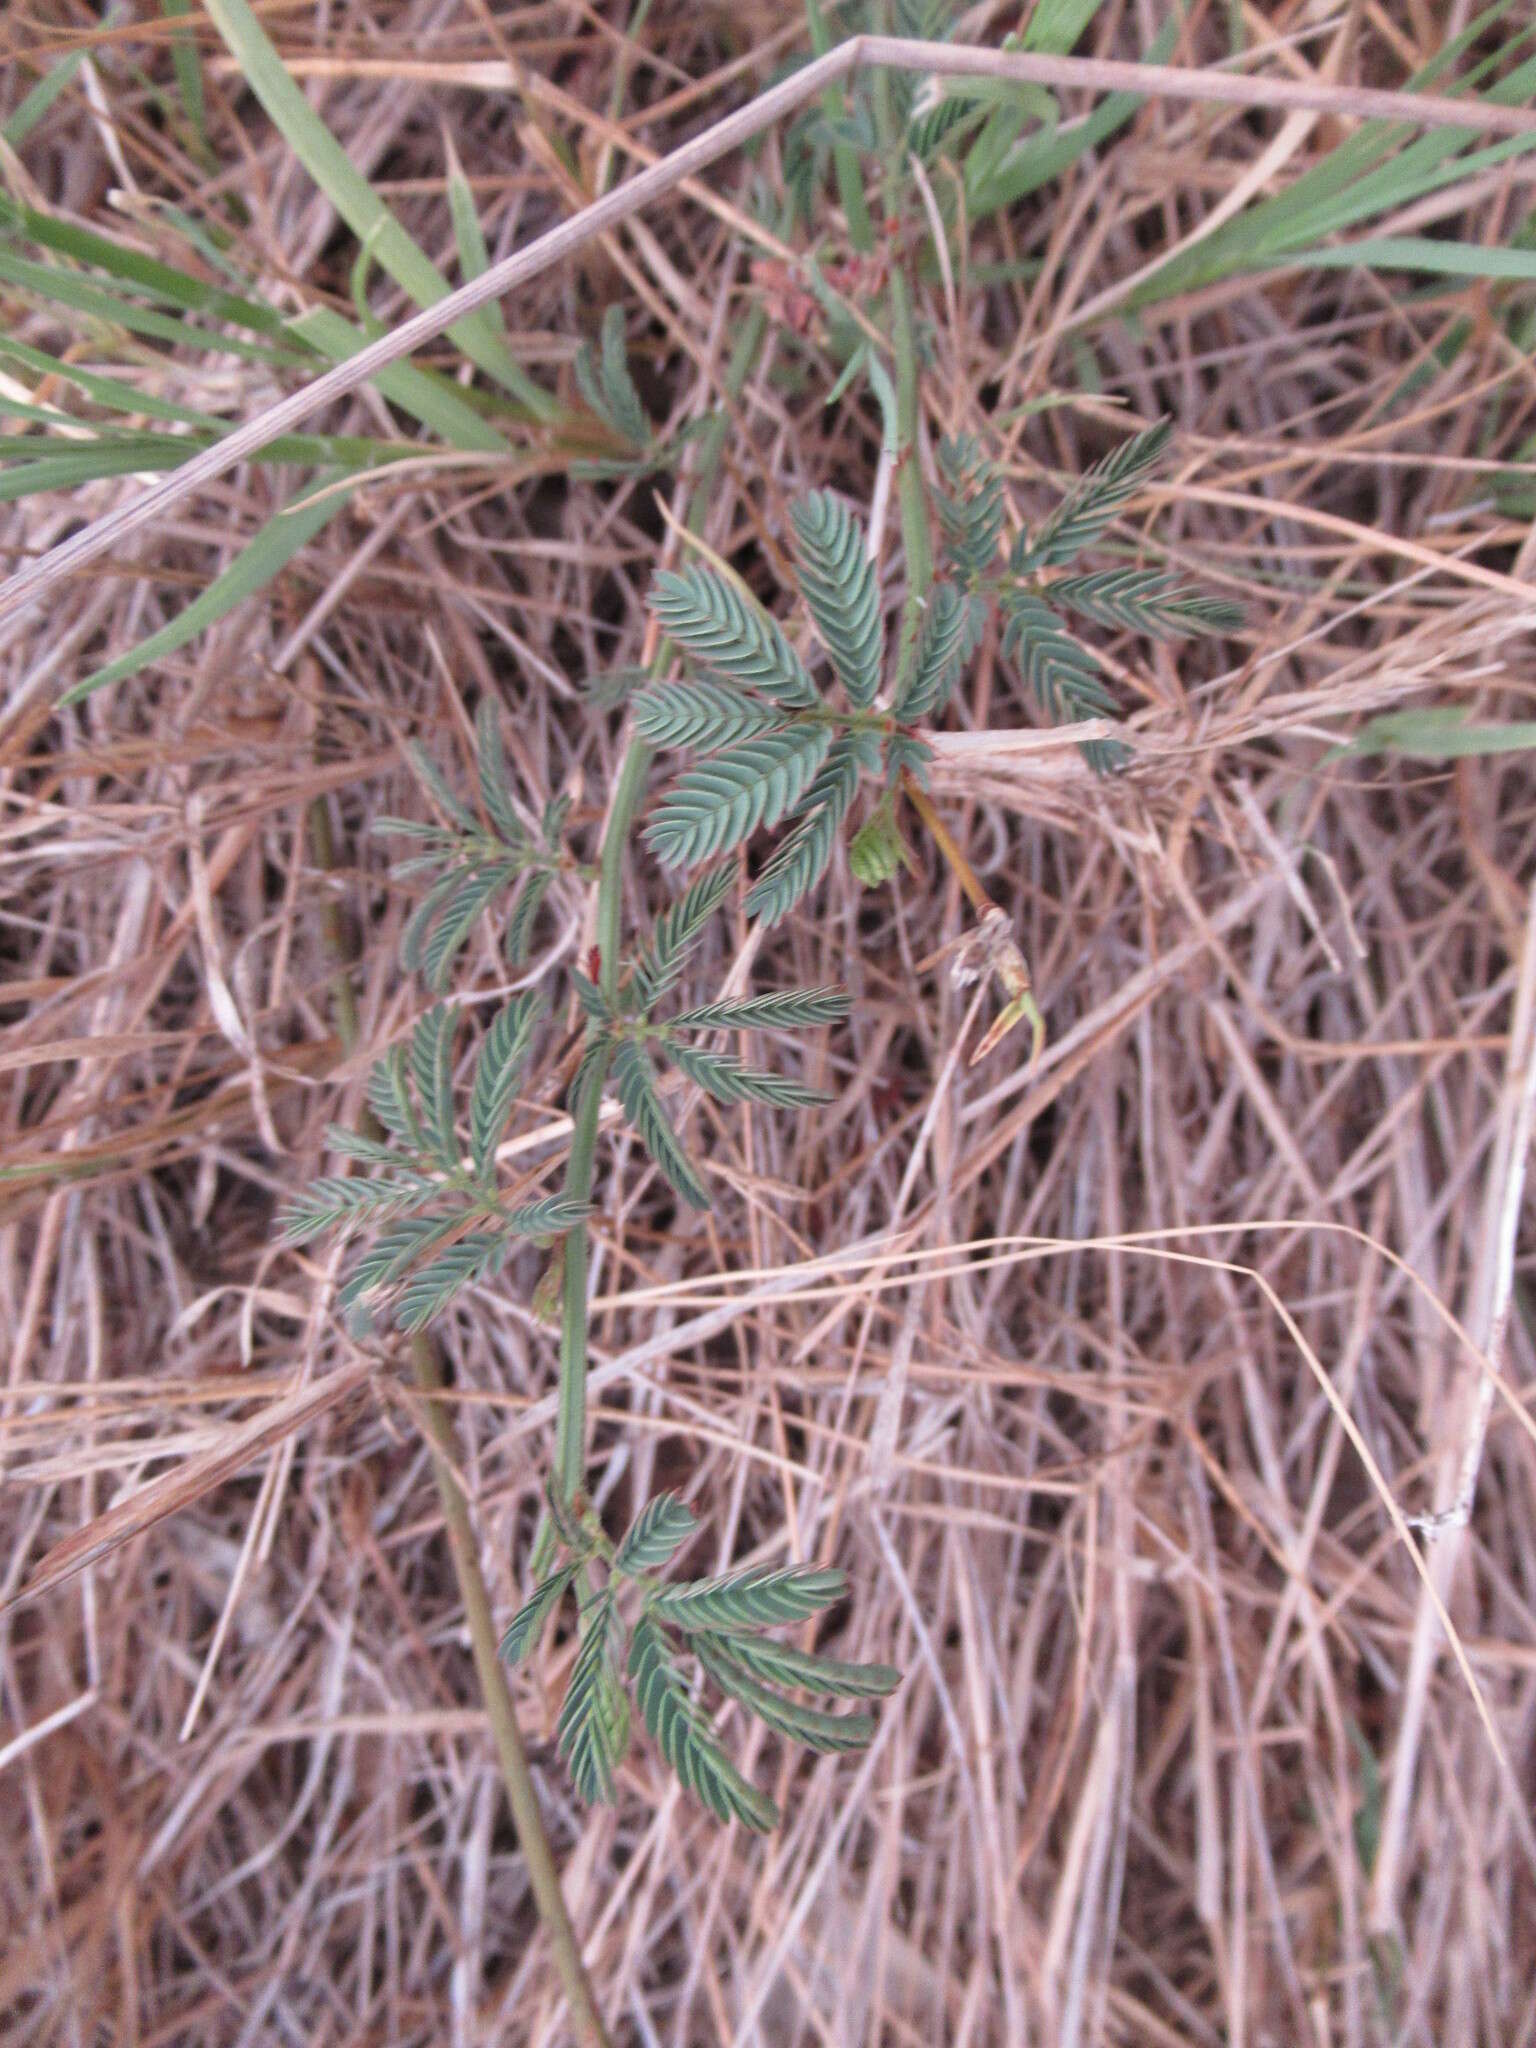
356, 201
161, 282
1379, 169
105, 391
1038, 159
1425, 253
474, 257
19, 125
66, 468
59, 287
1056, 25
1437, 732
272, 549
425, 396
188, 68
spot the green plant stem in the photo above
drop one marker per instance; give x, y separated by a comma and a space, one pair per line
571, 1422
571, 1425
845, 158
549, 1900
543, 1878
910, 495
616, 850
712, 444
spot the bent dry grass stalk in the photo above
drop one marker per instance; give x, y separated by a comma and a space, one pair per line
1421, 109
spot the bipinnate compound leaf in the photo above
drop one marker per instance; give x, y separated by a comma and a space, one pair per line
700, 714
939, 655
1098, 495
503, 1052
783, 1009
725, 1078
827, 1733
782, 1664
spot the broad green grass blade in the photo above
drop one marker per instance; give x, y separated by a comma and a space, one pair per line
1038, 159
1056, 25
474, 257
1436, 733
52, 283
160, 282
19, 125
1379, 169
188, 68
429, 398
426, 396
349, 451
273, 548
357, 202
1425, 253
118, 302
105, 391
67, 467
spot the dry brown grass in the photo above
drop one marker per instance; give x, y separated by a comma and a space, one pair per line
1110, 1380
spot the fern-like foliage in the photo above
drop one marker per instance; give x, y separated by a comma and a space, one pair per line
799, 863
841, 591
701, 715
770, 747
675, 934
684, 1742
662, 1526
940, 652
728, 1080
796, 1009
442, 1221
527, 1625
635, 1078
493, 1092
624, 1033
971, 504
769, 751
679, 1634
608, 387
1064, 675
593, 1730
1100, 493
604, 380
724, 800
756, 1599
726, 629
474, 861
1143, 601
827, 1733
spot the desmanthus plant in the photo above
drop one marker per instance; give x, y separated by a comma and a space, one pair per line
820, 731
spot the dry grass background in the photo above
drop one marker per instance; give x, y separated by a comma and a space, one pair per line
1102, 1372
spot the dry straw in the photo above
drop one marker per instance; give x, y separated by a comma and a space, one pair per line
1124, 1383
